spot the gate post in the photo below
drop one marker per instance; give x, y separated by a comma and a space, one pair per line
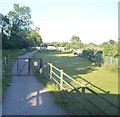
40, 63
50, 71
28, 66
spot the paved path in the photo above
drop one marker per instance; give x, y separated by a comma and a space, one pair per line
27, 96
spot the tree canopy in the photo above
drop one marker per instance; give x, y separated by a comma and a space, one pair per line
75, 38
16, 29
110, 48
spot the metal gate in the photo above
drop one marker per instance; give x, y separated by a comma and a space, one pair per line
22, 66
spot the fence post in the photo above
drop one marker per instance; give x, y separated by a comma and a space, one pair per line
61, 79
83, 98
40, 63
50, 71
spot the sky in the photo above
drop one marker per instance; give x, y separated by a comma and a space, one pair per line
93, 21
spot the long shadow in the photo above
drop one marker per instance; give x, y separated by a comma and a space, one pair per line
44, 103
72, 100
30, 98
74, 103
87, 104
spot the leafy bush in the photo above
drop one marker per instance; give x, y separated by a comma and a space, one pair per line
110, 48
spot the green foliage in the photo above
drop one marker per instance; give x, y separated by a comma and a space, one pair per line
75, 38
20, 16
76, 45
91, 46
110, 48
16, 29
35, 37
58, 44
67, 45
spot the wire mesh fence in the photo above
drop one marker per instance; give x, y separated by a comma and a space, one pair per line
110, 60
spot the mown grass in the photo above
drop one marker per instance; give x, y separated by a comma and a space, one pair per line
81, 69
76, 66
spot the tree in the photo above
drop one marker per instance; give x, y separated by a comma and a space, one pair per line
75, 38
5, 32
16, 25
35, 36
17, 32
76, 42
111, 41
110, 48
20, 16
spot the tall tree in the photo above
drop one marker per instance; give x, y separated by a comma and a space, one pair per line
5, 32
75, 38
35, 36
16, 29
20, 16
20, 19
76, 42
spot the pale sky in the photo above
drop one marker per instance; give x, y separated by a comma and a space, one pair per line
92, 20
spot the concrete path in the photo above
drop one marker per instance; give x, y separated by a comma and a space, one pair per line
27, 96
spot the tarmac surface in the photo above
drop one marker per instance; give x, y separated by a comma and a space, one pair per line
27, 96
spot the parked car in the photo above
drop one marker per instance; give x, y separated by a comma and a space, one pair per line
78, 52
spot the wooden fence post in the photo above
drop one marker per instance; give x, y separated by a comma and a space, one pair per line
50, 71
61, 79
83, 98
40, 63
